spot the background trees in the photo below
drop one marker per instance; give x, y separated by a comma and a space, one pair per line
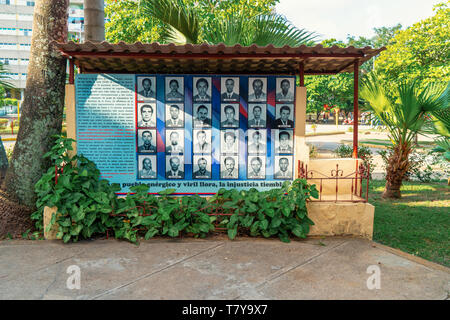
421, 52
211, 21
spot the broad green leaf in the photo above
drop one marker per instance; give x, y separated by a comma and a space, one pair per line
232, 233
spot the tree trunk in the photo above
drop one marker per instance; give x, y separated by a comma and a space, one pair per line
3, 161
94, 20
42, 111
398, 165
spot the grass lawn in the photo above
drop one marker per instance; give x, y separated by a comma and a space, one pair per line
419, 223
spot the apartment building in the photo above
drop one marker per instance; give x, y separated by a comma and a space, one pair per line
16, 23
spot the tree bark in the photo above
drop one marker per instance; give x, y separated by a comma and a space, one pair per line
42, 111
3, 161
94, 20
398, 165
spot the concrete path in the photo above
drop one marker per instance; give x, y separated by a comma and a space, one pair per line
216, 268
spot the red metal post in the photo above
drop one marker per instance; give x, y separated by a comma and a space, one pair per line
355, 107
302, 74
71, 71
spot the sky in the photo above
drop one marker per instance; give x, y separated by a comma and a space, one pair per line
338, 18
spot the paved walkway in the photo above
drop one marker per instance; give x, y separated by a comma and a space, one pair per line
216, 268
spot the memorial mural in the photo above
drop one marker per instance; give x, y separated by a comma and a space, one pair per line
194, 133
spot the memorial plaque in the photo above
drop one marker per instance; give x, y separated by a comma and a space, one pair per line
194, 133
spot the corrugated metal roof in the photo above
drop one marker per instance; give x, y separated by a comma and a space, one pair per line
138, 57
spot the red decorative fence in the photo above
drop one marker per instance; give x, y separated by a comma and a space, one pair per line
355, 192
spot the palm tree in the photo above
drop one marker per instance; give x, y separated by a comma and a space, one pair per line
441, 126
404, 117
94, 20
184, 25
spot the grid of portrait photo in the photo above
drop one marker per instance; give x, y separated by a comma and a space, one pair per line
262, 127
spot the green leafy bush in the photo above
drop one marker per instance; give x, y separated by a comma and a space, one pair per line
88, 205
84, 201
345, 151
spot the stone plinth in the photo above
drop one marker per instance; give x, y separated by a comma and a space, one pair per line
341, 219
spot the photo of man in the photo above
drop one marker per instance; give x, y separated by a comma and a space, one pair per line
146, 141
229, 141
147, 115
174, 89
146, 87
230, 89
256, 141
229, 116
283, 141
202, 118
174, 115
175, 167
285, 90
202, 141
256, 168
284, 117
146, 168
257, 89
202, 167
202, 89
174, 141
257, 116
229, 168
283, 167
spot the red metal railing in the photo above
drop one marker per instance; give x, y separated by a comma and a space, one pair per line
355, 192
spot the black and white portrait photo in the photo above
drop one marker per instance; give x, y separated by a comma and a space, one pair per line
202, 167
229, 167
229, 116
257, 115
229, 141
256, 167
284, 117
256, 141
174, 89
146, 88
202, 115
283, 167
146, 115
202, 89
257, 89
174, 141
146, 140
147, 167
284, 141
285, 90
202, 141
174, 115
229, 89
174, 167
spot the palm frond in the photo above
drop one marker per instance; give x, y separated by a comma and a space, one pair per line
176, 15
230, 31
4, 78
407, 115
277, 30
